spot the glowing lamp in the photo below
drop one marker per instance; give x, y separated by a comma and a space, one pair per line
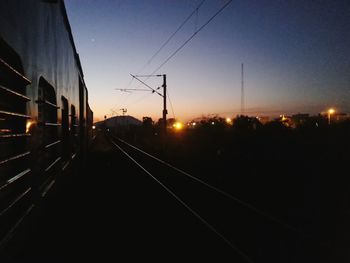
330, 112
178, 125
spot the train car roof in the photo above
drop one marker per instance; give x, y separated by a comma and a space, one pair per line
69, 29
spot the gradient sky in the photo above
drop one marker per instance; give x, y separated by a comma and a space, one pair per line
296, 56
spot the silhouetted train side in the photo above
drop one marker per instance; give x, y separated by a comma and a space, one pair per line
45, 118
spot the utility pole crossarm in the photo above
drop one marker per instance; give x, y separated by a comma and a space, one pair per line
153, 90
127, 90
164, 96
147, 76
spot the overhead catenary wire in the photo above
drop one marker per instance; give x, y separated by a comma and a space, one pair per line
148, 94
191, 37
196, 20
122, 104
195, 11
171, 105
188, 40
142, 82
126, 90
139, 99
152, 89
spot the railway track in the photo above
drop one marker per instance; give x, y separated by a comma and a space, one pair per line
127, 203
250, 233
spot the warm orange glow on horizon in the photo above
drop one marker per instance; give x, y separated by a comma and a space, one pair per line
189, 115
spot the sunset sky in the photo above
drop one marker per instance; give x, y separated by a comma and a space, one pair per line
296, 56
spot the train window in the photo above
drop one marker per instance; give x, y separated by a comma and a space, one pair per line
73, 128
13, 118
65, 129
82, 120
73, 120
47, 111
15, 190
82, 101
47, 120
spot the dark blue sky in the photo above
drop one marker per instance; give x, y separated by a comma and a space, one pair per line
296, 55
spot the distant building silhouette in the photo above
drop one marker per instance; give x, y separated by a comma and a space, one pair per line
300, 119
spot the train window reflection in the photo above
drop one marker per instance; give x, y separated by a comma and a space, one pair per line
65, 129
47, 118
73, 128
13, 118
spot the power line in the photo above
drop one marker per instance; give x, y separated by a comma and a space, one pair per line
192, 36
196, 20
148, 76
189, 39
129, 84
152, 89
138, 100
171, 105
127, 90
168, 40
172, 35
123, 101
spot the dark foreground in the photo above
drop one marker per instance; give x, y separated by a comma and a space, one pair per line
111, 212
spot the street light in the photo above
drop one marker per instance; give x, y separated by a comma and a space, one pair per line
330, 112
178, 125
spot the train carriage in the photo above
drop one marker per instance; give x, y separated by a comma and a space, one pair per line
45, 118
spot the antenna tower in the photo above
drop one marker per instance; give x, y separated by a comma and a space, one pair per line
242, 89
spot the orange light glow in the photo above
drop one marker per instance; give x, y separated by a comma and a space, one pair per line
331, 111
28, 125
178, 125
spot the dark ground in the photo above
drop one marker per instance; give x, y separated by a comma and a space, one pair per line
300, 176
114, 212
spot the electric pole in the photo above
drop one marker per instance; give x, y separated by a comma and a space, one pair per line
242, 90
165, 111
